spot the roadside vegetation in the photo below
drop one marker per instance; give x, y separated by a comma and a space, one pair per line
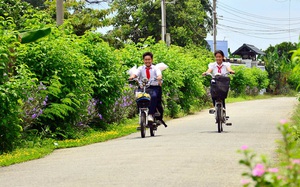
39, 147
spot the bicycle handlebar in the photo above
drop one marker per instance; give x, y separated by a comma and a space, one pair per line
142, 83
218, 74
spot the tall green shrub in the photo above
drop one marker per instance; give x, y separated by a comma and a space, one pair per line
9, 87
58, 62
108, 73
248, 80
295, 75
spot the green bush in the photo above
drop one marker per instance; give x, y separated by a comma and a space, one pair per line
248, 81
58, 62
108, 73
10, 87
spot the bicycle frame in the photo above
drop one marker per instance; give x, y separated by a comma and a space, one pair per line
220, 112
144, 111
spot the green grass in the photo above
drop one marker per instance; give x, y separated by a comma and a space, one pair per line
247, 98
114, 131
49, 145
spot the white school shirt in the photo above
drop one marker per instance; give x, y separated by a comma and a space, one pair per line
214, 67
154, 72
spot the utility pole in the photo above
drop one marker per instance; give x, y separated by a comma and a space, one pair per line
59, 12
163, 20
215, 24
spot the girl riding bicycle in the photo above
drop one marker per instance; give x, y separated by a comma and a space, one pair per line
219, 67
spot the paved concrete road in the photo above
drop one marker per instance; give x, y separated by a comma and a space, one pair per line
189, 152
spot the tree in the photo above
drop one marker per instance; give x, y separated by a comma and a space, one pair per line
294, 79
36, 3
279, 66
187, 21
80, 16
15, 9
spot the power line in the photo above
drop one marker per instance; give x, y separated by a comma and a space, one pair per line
253, 35
264, 28
258, 24
243, 13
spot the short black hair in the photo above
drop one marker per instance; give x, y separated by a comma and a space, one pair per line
148, 54
219, 52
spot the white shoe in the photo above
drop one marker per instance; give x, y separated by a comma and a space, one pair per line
150, 118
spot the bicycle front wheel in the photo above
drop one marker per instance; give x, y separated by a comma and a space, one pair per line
219, 119
143, 124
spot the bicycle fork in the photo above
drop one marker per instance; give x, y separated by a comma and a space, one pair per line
143, 110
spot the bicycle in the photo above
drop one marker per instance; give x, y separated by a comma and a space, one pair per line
143, 100
219, 90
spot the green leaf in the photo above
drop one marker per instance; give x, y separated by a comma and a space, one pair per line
33, 35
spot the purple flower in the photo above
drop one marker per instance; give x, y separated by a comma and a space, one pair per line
46, 98
296, 161
34, 116
100, 116
44, 103
42, 87
245, 181
40, 112
283, 121
273, 170
244, 147
30, 99
258, 170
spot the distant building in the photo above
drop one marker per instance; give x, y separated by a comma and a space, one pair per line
249, 53
221, 45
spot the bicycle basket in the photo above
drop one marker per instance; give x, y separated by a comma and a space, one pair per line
219, 87
143, 100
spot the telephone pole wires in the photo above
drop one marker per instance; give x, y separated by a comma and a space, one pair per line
215, 25
163, 20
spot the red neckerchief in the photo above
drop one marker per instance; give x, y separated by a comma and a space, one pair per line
148, 72
219, 68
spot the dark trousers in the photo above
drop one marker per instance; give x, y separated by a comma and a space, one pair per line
214, 102
156, 99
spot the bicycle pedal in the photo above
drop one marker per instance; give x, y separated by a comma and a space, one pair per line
138, 128
211, 111
228, 124
227, 117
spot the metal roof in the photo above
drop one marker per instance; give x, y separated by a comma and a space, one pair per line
249, 48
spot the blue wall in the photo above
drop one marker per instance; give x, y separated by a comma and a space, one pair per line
221, 45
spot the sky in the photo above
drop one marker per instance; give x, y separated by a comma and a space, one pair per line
257, 22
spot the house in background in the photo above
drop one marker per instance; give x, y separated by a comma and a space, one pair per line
248, 54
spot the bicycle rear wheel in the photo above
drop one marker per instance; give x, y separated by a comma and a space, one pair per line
152, 130
143, 124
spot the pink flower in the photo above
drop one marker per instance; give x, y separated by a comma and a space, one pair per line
244, 147
283, 121
296, 161
258, 170
273, 170
245, 181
